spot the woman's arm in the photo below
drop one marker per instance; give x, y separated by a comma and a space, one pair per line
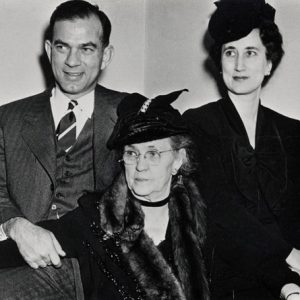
10, 255
67, 230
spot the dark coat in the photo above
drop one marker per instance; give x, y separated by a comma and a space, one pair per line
117, 259
252, 197
28, 153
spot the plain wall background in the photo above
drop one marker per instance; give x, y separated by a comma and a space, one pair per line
158, 48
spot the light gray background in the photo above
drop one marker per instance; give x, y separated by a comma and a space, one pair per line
158, 48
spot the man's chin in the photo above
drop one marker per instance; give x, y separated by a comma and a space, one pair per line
72, 90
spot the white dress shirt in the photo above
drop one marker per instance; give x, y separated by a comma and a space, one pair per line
83, 111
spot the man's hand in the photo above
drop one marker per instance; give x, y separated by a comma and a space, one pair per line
293, 260
38, 246
290, 291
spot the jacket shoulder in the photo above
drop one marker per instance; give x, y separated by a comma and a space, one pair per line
285, 124
111, 96
203, 119
202, 110
17, 108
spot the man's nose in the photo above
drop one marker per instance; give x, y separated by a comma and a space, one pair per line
73, 58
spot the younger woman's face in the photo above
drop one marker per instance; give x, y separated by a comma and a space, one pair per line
244, 64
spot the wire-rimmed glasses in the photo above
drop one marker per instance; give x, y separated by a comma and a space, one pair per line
153, 157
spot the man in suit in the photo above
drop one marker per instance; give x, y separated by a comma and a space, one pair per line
53, 150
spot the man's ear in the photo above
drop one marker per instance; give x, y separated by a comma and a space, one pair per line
107, 56
48, 49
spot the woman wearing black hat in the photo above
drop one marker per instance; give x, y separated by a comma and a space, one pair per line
143, 237
249, 153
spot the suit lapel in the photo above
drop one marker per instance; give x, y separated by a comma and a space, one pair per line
103, 122
38, 133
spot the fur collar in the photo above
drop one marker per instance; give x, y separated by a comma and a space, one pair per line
121, 215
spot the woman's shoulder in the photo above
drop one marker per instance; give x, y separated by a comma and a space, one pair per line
204, 120
289, 131
87, 211
89, 201
283, 123
203, 111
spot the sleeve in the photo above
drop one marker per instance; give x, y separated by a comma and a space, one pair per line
241, 241
7, 208
68, 230
10, 255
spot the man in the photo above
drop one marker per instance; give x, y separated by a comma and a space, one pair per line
53, 149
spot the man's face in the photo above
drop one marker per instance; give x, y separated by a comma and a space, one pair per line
77, 55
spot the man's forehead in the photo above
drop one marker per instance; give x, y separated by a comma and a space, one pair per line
88, 26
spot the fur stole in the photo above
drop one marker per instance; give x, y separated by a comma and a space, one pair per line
121, 216
188, 232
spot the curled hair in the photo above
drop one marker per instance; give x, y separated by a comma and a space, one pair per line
189, 165
271, 39
79, 9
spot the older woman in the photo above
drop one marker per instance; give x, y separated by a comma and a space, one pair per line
143, 237
249, 154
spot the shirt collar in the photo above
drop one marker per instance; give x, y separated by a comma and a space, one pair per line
59, 104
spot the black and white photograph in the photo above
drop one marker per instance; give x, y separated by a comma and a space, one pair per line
149, 150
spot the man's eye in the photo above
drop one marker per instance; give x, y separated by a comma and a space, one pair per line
61, 48
88, 50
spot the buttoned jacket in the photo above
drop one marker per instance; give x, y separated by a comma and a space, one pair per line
28, 152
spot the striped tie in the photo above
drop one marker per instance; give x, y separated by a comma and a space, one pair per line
66, 129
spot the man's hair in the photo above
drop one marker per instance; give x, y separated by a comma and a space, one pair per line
79, 9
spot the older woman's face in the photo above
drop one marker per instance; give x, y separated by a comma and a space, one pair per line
244, 64
148, 181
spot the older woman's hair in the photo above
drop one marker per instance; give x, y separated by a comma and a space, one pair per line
189, 165
271, 39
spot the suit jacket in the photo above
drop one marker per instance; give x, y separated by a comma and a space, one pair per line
28, 152
252, 197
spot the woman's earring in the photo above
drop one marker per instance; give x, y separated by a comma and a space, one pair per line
174, 172
179, 179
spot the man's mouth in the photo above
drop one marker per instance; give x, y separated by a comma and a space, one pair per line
73, 75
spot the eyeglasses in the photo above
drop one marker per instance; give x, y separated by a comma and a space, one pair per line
153, 157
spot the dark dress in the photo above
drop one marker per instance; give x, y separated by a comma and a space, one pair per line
117, 259
252, 197
104, 273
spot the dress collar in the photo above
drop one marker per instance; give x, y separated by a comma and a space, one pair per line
236, 122
153, 204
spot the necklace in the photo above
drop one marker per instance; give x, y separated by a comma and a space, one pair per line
154, 204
